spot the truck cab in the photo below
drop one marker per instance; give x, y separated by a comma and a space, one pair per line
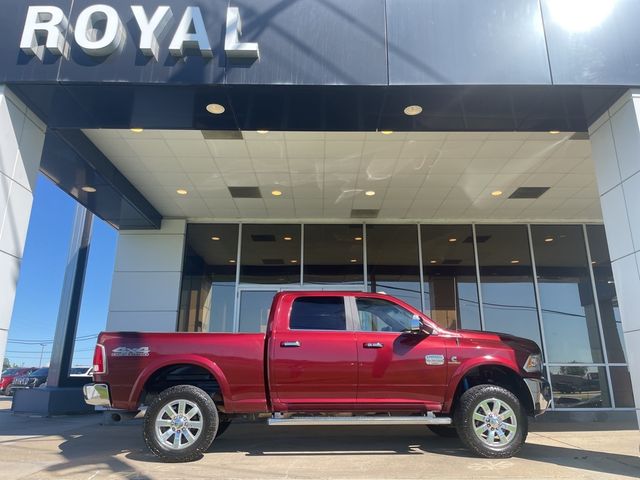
326, 358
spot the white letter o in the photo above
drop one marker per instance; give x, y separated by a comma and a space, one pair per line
85, 32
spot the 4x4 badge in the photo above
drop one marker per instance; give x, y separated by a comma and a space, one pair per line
130, 352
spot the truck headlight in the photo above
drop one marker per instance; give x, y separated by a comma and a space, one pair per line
533, 363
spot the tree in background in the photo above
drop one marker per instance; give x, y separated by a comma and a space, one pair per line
6, 364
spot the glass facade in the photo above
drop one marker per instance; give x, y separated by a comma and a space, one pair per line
549, 283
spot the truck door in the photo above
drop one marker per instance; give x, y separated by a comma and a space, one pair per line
396, 369
312, 359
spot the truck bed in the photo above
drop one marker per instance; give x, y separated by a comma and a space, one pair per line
237, 359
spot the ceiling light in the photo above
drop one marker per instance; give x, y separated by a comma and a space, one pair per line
358, 239
137, 130
215, 239
433, 261
215, 108
413, 110
262, 132
181, 191
369, 193
276, 193
548, 239
88, 189
232, 261
353, 260
554, 132
386, 132
288, 238
452, 240
593, 262
294, 261
496, 193
515, 262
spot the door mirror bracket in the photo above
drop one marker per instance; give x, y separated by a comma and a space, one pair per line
419, 326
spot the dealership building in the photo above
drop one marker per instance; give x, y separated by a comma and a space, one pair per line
479, 160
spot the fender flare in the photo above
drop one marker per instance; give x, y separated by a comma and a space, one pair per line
196, 360
464, 369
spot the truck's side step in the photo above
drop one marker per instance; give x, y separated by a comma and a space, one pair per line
362, 420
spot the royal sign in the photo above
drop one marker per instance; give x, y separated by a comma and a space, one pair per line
99, 32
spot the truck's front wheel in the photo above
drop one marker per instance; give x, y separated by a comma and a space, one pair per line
180, 424
491, 421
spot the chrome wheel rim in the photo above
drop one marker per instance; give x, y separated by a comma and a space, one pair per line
494, 422
178, 424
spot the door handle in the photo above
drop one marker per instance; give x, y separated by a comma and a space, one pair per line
290, 344
373, 345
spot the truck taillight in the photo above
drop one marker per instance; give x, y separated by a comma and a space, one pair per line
99, 360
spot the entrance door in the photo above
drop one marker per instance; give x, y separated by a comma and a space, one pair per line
397, 370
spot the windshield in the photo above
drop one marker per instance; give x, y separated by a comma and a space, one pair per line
41, 372
10, 371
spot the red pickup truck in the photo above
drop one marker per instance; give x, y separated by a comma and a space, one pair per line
327, 358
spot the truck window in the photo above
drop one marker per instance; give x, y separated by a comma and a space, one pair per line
378, 315
318, 313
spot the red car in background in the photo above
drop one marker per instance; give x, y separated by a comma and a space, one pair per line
8, 375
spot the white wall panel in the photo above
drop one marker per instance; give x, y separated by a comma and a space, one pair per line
145, 291
149, 253
21, 142
619, 184
142, 321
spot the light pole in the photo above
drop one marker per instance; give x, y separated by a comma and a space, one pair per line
41, 354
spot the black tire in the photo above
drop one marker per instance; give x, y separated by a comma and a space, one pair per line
513, 427
444, 431
208, 415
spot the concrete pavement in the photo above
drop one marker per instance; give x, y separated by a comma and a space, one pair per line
80, 448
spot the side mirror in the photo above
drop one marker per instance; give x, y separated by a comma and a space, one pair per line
419, 327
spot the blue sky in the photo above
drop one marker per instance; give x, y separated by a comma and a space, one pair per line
42, 273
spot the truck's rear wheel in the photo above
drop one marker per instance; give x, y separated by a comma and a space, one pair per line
180, 424
491, 421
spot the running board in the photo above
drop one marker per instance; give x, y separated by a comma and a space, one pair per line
363, 420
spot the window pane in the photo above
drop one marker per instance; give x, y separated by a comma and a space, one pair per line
382, 316
621, 383
606, 291
318, 313
333, 254
566, 295
208, 279
270, 254
579, 387
393, 261
451, 289
254, 310
506, 277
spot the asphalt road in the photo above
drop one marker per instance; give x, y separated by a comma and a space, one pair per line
80, 448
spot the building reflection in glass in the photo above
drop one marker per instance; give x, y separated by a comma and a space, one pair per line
393, 264
506, 277
450, 283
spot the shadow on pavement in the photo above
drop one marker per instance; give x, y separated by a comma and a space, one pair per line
87, 447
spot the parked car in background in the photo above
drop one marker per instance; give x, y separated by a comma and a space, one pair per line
7, 377
81, 372
33, 380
